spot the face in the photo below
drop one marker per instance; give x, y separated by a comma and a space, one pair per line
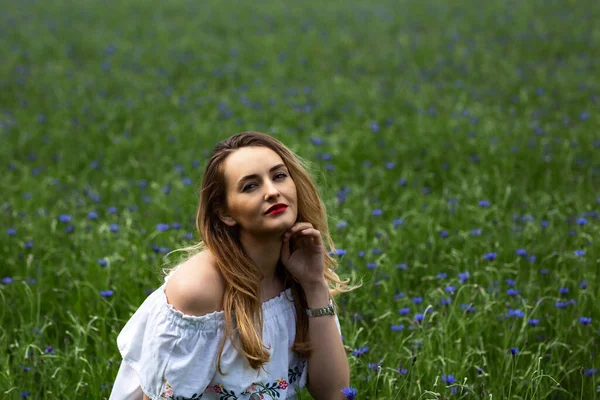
248, 198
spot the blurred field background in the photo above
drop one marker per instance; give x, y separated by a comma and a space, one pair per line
455, 144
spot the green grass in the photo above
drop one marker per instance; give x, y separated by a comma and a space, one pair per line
423, 109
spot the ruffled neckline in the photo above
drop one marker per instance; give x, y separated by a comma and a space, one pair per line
270, 307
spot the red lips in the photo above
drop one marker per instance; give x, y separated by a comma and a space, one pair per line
276, 207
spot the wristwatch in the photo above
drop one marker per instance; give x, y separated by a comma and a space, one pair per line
318, 312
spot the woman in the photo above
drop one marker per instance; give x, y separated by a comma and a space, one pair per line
250, 314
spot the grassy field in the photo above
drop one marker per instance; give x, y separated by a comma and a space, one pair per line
455, 144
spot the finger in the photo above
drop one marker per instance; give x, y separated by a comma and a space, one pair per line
311, 235
314, 235
300, 226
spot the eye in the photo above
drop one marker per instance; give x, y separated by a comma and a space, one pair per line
250, 184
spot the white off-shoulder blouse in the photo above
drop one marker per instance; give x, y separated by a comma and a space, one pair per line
170, 355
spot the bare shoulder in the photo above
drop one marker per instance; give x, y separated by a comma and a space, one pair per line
197, 287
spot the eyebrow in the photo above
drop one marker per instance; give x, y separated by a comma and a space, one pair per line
253, 176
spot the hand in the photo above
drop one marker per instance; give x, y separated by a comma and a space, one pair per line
307, 262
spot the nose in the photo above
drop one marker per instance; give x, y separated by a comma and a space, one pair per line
272, 191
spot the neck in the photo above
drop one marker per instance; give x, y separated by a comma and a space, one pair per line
266, 254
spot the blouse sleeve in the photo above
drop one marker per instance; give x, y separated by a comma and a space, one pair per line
172, 354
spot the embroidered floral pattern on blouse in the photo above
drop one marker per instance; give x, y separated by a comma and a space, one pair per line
295, 373
271, 389
168, 394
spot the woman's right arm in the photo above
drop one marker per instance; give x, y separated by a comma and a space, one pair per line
146, 397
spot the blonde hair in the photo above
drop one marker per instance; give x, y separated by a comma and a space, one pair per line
242, 276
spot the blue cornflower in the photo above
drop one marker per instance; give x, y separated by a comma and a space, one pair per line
442, 275
64, 218
371, 265
106, 293
463, 276
490, 256
402, 266
92, 215
11, 231
449, 379
444, 234
175, 225
50, 350
476, 232
514, 351
399, 295
401, 371
585, 320
402, 182
561, 304
404, 311
102, 262
583, 284
398, 328
521, 252
350, 393
162, 227
24, 394
579, 253
527, 218
419, 317
112, 210
516, 313
374, 366
512, 292
581, 221
484, 203
563, 290
533, 321
510, 282
445, 301
398, 221
467, 307
114, 227
417, 300
360, 351
450, 289
7, 280
339, 252
377, 211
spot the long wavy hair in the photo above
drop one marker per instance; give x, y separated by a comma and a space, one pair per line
241, 299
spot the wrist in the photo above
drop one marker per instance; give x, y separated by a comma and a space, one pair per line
317, 294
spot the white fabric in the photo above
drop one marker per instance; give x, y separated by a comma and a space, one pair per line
171, 355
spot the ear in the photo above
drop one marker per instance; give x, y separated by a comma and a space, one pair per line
227, 220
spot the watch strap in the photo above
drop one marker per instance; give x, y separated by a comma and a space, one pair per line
318, 312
